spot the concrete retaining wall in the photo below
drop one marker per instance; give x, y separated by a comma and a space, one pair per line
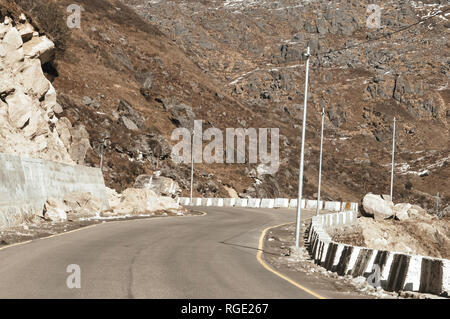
393, 271
267, 203
25, 185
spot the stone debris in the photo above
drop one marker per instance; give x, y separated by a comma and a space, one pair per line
55, 210
28, 100
162, 186
135, 201
131, 202
406, 211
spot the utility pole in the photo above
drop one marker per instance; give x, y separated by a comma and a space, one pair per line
192, 165
320, 161
393, 158
102, 148
302, 156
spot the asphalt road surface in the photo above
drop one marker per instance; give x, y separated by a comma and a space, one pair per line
211, 256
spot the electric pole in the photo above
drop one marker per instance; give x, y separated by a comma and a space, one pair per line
320, 161
302, 156
102, 149
192, 165
393, 159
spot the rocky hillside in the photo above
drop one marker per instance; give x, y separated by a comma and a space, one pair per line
136, 70
28, 101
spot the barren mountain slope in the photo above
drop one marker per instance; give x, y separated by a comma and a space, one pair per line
239, 64
254, 48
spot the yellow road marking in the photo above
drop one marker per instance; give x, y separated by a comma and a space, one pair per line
265, 265
70, 231
16, 244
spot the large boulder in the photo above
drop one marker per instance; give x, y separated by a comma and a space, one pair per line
162, 186
55, 210
404, 211
377, 207
83, 205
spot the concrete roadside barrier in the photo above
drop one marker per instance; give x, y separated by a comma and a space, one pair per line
254, 202
398, 272
184, 201
362, 260
229, 202
217, 202
312, 204
435, 276
393, 271
333, 206
267, 203
241, 202
293, 203
281, 203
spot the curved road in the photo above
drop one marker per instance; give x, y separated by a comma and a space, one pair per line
212, 256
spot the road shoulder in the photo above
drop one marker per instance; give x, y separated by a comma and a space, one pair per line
302, 272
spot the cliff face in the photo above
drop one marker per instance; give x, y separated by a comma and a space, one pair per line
28, 100
29, 126
238, 64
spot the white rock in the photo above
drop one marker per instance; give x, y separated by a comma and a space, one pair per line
12, 39
20, 108
36, 125
39, 47
29, 98
376, 206
406, 211
401, 211
32, 79
55, 210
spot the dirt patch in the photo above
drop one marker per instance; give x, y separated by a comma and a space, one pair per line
41, 229
415, 236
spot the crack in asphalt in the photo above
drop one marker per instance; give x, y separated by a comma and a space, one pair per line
130, 294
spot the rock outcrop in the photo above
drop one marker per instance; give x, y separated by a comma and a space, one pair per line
28, 104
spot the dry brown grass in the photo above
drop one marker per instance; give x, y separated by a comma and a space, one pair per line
48, 19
